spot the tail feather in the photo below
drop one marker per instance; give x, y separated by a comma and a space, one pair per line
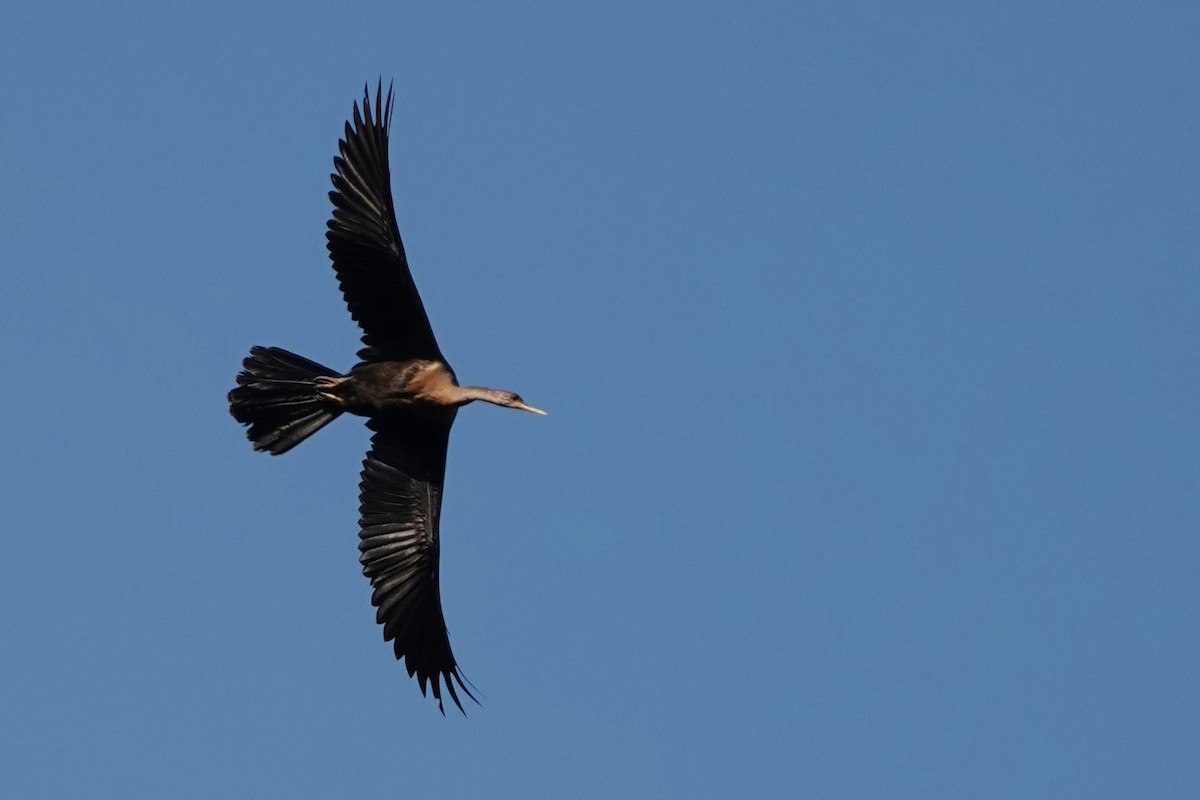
277, 397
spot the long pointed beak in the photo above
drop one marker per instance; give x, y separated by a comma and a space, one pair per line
530, 409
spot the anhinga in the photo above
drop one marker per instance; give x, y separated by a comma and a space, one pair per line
402, 385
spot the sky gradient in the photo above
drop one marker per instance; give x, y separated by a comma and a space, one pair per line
868, 337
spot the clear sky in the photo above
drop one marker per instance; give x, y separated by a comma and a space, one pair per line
868, 333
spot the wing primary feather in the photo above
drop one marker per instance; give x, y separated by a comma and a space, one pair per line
364, 241
399, 511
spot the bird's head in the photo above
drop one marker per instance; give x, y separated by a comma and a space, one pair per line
513, 400
500, 397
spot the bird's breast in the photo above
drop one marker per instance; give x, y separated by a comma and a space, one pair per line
378, 387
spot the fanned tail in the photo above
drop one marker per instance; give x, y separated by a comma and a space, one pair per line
277, 397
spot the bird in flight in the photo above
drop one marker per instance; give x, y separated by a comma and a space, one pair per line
404, 387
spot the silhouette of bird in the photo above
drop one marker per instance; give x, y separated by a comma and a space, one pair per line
402, 385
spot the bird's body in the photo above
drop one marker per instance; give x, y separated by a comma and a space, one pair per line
402, 384
417, 386
382, 387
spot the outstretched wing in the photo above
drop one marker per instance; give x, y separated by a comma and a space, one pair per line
364, 242
400, 505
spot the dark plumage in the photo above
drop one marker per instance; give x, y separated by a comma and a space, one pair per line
402, 384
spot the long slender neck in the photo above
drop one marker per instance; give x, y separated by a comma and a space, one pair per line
468, 394
465, 394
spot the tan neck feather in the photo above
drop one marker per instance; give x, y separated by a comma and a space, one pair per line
470, 393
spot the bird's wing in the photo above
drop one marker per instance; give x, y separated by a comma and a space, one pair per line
364, 242
400, 505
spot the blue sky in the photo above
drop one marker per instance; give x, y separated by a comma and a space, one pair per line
868, 336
